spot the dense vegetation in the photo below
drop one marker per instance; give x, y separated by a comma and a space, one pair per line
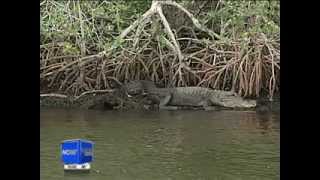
85, 45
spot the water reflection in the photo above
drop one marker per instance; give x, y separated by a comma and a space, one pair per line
265, 123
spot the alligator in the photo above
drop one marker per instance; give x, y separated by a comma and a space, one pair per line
173, 98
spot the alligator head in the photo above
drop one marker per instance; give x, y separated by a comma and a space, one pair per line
138, 87
133, 88
236, 101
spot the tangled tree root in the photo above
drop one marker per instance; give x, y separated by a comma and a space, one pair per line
157, 52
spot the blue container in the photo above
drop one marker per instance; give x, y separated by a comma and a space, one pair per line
76, 151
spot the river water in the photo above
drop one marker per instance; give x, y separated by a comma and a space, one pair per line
165, 145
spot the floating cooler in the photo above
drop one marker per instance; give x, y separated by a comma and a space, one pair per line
77, 154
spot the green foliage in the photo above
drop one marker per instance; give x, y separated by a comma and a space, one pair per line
102, 21
237, 19
246, 57
70, 49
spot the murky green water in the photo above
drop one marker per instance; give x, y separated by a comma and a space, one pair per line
165, 145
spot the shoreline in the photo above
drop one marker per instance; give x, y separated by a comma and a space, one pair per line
109, 102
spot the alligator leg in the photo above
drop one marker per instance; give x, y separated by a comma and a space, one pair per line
164, 103
207, 105
169, 107
210, 108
